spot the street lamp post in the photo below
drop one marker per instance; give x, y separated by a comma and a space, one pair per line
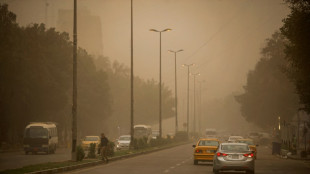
200, 104
194, 125
74, 97
168, 29
176, 99
187, 128
131, 76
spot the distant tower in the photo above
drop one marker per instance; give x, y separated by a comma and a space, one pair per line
46, 11
89, 31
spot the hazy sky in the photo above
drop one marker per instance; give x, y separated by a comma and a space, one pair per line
222, 37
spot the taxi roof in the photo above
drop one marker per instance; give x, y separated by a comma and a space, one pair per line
245, 139
214, 139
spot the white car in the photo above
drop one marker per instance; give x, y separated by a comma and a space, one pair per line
123, 142
233, 139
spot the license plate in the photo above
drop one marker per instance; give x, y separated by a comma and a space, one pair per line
235, 156
210, 151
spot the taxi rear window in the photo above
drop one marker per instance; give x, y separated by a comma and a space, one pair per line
208, 143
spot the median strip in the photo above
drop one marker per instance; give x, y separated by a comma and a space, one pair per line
58, 167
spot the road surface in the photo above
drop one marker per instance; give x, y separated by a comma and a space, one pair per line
179, 160
11, 160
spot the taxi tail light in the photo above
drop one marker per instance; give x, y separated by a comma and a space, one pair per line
198, 151
221, 154
250, 155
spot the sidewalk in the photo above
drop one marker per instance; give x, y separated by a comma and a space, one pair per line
297, 157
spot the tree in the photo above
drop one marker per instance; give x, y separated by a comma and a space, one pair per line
296, 29
146, 97
36, 81
268, 92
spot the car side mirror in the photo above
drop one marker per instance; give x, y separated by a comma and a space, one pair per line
194, 146
50, 137
257, 145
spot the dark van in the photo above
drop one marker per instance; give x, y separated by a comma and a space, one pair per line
40, 137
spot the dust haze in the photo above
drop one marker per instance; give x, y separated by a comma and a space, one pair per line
223, 38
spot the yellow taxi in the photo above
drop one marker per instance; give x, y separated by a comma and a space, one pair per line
251, 144
205, 149
90, 139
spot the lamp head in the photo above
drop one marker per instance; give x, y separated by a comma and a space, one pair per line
167, 29
154, 30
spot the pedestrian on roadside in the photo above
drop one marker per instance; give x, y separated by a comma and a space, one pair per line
104, 147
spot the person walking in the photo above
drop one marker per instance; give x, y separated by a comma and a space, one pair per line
104, 147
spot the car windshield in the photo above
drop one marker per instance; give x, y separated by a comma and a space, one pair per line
124, 138
234, 138
246, 142
36, 132
253, 134
208, 143
91, 139
235, 147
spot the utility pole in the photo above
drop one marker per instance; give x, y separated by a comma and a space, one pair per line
131, 82
175, 91
298, 122
74, 106
187, 130
194, 125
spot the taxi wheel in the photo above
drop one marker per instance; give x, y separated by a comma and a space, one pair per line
216, 171
195, 162
250, 172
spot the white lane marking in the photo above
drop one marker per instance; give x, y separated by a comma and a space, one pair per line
166, 171
178, 164
172, 167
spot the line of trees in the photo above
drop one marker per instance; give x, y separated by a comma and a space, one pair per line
36, 84
268, 92
280, 83
296, 30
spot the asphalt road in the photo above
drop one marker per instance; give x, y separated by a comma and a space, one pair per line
179, 160
11, 160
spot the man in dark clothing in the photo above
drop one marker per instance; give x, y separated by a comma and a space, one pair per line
104, 147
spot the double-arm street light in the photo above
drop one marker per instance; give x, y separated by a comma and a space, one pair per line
188, 65
194, 126
168, 29
176, 99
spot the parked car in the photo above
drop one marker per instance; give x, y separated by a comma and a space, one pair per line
123, 142
90, 139
205, 149
251, 144
234, 156
233, 139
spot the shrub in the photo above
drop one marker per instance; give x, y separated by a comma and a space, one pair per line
92, 151
134, 144
181, 136
80, 154
110, 147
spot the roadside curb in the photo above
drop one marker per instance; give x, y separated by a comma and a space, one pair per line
99, 162
291, 157
297, 158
